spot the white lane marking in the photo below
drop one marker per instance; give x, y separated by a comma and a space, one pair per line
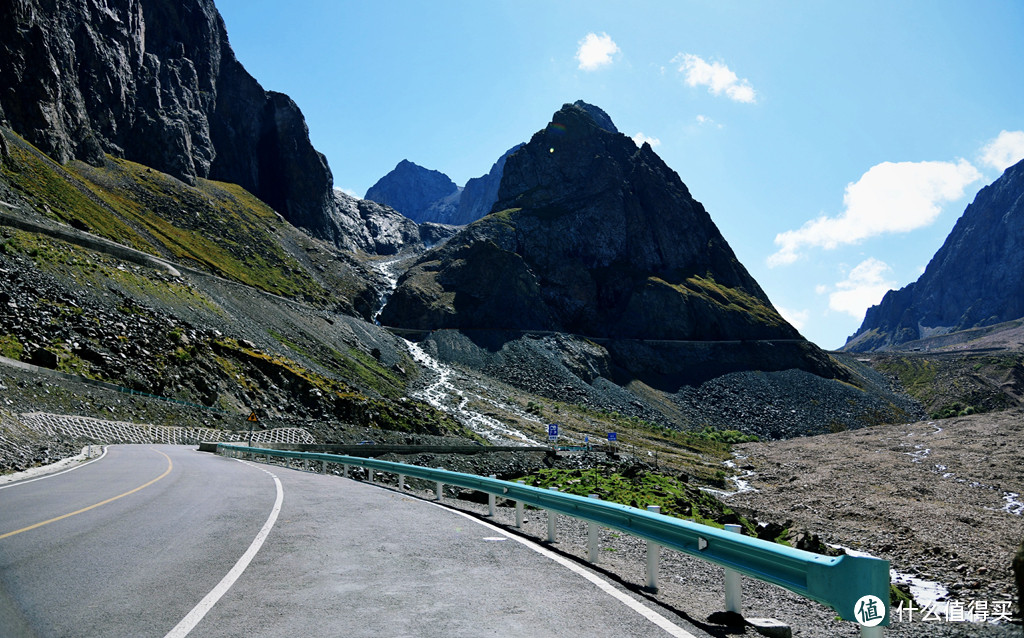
645, 611
39, 478
193, 617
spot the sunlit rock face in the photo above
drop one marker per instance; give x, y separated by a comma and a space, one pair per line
156, 82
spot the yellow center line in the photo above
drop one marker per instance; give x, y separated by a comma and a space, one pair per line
170, 466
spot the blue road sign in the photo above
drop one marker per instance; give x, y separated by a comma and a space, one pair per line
552, 430
612, 436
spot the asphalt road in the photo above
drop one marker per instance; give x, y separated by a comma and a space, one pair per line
168, 541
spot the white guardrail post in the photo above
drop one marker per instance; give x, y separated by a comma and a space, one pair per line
733, 581
552, 522
653, 555
490, 499
438, 489
519, 510
401, 482
839, 582
593, 532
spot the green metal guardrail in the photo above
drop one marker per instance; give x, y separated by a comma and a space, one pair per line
838, 582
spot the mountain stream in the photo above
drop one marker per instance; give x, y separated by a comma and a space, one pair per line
441, 391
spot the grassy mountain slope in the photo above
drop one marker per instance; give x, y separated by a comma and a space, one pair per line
251, 321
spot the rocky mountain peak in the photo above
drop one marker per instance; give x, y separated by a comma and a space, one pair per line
972, 281
600, 118
415, 191
591, 236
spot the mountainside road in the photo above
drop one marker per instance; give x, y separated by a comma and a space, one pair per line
131, 543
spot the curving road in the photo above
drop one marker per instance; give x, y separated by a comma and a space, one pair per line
159, 540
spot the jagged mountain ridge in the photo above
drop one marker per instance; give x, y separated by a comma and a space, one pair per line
600, 281
192, 226
425, 195
973, 281
156, 82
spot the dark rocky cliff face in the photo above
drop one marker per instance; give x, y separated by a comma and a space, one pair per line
974, 280
156, 82
595, 237
481, 193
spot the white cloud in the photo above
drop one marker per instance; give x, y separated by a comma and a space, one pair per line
889, 198
716, 76
640, 138
821, 289
863, 287
349, 192
797, 318
704, 120
596, 51
1004, 151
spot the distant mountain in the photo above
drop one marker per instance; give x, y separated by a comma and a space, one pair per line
480, 193
425, 195
973, 281
156, 82
418, 193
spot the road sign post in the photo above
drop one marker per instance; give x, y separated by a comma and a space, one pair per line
252, 420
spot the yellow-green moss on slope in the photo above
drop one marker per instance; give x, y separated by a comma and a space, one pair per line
215, 226
728, 299
56, 194
220, 226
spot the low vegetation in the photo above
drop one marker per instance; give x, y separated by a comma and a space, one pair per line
641, 488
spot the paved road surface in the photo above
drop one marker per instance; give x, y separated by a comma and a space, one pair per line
156, 540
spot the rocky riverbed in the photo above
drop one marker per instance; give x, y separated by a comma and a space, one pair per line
939, 499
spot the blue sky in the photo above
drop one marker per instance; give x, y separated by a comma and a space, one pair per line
834, 144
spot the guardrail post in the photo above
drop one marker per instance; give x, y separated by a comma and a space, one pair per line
344, 470
653, 556
369, 472
401, 482
733, 582
519, 510
552, 522
490, 500
592, 537
305, 465
438, 489
323, 468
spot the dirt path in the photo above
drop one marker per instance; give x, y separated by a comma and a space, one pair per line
941, 500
